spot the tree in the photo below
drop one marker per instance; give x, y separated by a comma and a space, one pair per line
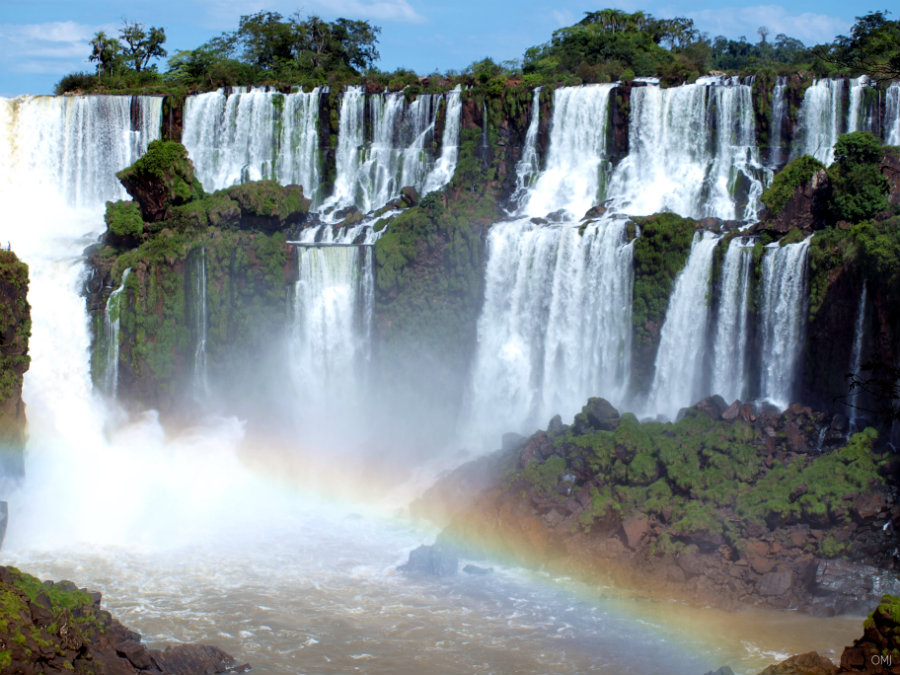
107, 52
763, 33
860, 190
140, 45
873, 48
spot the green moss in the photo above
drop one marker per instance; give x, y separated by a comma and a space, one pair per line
123, 219
798, 172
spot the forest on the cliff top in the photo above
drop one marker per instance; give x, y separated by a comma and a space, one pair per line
270, 49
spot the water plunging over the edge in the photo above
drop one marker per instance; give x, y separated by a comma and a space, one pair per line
729, 369
200, 380
556, 323
692, 151
529, 164
856, 361
784, 302
678, 375
111, 322
820, 120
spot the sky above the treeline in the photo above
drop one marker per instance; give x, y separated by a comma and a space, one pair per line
43, 40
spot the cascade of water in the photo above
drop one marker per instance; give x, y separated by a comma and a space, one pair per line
111, 338
555, 327
729, 370
856, 119
692, 151
856, 361
529, 164
75, 144
61, 156
332, 316
820, 120
776, 125
574, 175
678, 374
252, 135
443, 169
891, 124
351, 138
783, 320
200, 382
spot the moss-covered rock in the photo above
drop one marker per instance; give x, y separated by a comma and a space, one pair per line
161, 179
15, 331
268, 206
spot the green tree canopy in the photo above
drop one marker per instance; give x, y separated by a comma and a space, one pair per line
860, 189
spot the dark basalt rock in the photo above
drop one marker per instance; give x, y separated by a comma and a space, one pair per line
436, 560
811, 663
409, 195
598, 414
876, 651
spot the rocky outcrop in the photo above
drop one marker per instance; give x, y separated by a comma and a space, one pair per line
58, 628
799, 200
15, 330
161, 180
728, 506
811, 663
878, 650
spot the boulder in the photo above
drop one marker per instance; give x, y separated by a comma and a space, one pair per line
597, 415
435, 560
712, 406
195, 660
409, 195
811, 663
594, 212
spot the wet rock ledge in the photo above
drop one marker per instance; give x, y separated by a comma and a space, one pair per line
48, 627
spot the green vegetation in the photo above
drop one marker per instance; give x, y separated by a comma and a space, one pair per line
859, 189
872, 48
123, 219
704, 476
798, 172
660, 253
15, 330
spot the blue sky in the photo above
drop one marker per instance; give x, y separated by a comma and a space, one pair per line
42, 40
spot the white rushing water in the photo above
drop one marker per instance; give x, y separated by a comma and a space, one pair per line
200, 379
776, 125
821, 120
856, 360
529, 164
383, 145
332, 316
252, 135
678, 372
111, 324
891, 124
576, 161
692, 150
729, 369
856, 112
556, 324
784, 302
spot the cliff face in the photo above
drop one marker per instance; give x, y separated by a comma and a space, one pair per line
15, 330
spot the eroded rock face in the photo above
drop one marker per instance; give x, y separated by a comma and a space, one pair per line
811, 663
15, 330
161, 180
876, 651
805, 210
59, 628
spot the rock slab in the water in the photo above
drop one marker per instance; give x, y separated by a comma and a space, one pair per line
434, 560
810, 663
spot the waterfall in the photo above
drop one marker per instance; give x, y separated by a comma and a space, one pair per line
111, 337
71, 146
444, 168
371, 173
856, 361
856, 115
776, 125
332, 316
678, 374
729, 369
891, 123
783, 321
59, 158
200, 380
529, 163
253, 135
820, 120
555, 327
692, 151
573, 178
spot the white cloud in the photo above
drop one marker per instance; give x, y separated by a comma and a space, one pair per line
732, 22
563, 17
225, 13
56, 47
